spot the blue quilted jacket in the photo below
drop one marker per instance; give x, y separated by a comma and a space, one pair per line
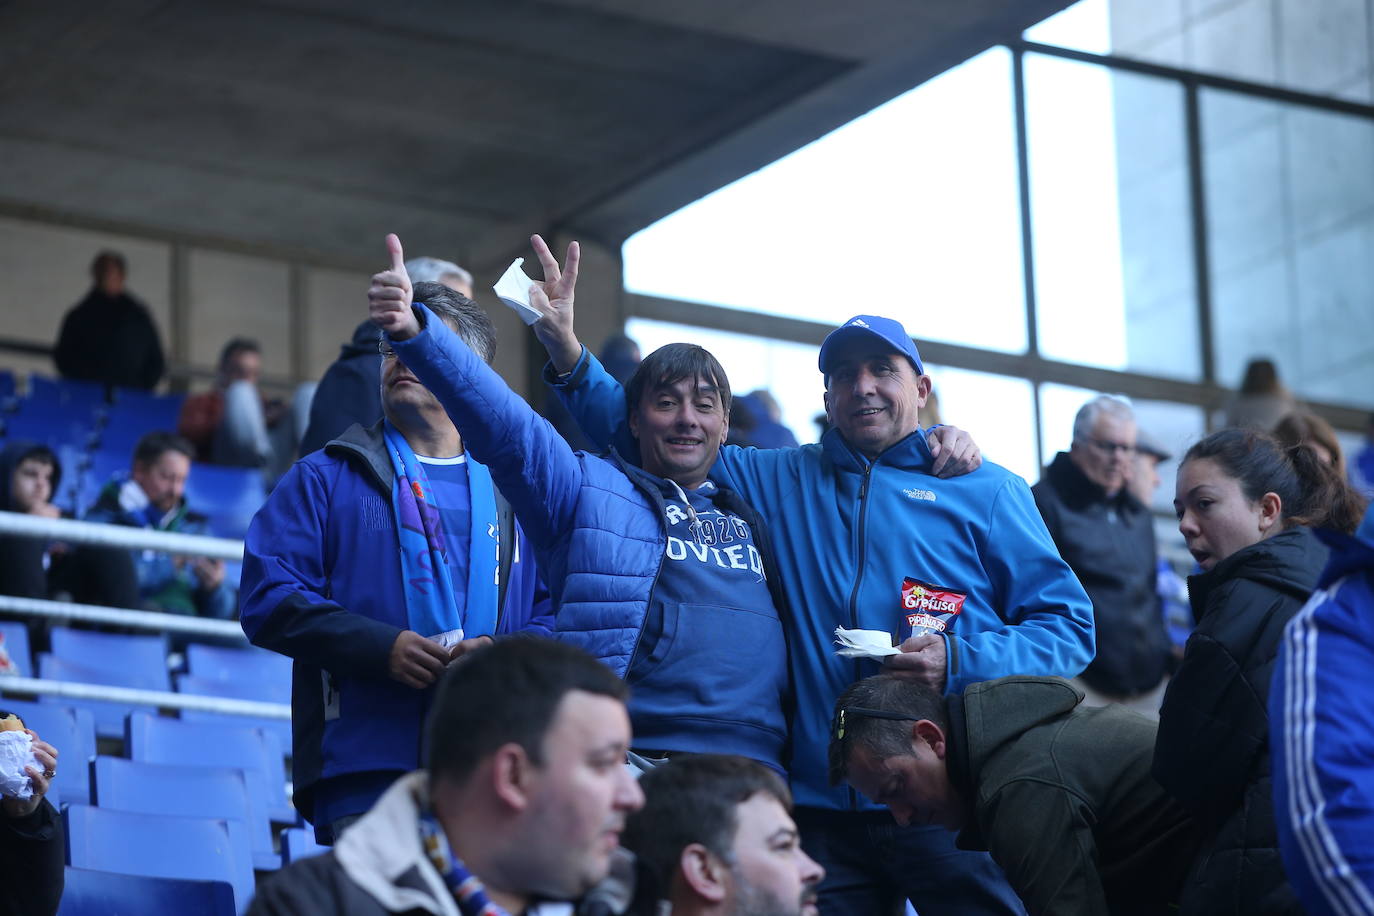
597, 526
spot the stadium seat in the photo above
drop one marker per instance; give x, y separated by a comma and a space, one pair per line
161, 846
103, 893
273, 689
72, 732
159, 739
14, 636
142, 657
134, 414
299, 843
219, 663
189, 790
51, 425
64, 393
109, 717
104, 465
229, 497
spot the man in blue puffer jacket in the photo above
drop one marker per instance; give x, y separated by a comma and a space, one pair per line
373, 593
870, 535
655, 571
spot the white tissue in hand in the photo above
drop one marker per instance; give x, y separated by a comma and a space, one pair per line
16, 752
875, 644
514, 289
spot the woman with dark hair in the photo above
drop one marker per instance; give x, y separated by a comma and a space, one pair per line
29, 476
1300, 427
1244, 504
1262, 399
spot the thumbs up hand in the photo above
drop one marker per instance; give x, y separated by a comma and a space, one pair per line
390, 295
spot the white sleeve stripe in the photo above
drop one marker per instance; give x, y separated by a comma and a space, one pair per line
1344, 890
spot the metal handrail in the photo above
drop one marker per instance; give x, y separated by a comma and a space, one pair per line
104, 535
163, 699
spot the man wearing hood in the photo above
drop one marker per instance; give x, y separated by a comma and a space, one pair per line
109, 336
1059, 793
29, 477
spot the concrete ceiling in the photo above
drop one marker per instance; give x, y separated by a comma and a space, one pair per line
311, 127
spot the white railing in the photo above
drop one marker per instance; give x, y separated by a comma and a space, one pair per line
162, 699
102, 535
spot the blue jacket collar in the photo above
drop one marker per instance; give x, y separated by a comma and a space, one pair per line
911, 453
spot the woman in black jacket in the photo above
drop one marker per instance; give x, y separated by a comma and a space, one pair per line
1244, 504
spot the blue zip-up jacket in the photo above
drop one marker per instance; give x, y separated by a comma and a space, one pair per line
848, 533
716, 678
164, 582
322, 584
1321, 711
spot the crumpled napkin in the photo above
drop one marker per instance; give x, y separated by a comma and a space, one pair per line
16, 752
874, 644
514, 289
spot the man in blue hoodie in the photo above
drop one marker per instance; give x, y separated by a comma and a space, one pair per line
870, 535
374, 564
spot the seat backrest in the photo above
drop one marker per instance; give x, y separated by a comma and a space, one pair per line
268, 690
15, 637
194, 791
112, 651
299, 843
230, 497
159, 739
72, 732
161, 846
88, 892
109, 716
220, 663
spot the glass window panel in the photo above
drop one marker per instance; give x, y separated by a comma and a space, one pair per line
911, 211
1290, 217
1111, 221
997, 410
786, 369
1087, 25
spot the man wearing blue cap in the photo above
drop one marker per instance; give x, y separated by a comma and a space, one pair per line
1319, 709
868, 535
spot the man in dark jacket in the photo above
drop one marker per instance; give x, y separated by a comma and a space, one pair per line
1059, 793
32, 845
109, 336
374, 564
523, 801
1107, 537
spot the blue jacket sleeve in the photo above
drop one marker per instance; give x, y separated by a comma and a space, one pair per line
531, 463
1049, 616
597, 402
1322, 715
529, 607
283, 603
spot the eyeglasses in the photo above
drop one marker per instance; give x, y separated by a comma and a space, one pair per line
384, 347
839, 723
1111, 448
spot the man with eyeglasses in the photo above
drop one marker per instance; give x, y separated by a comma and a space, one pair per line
375, 563
1059, 793
1107, 537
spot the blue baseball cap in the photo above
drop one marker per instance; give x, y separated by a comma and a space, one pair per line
887, 330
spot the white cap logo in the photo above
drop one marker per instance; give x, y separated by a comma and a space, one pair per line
859, 322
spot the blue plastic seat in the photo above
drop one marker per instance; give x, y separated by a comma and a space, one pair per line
144, 658
188, 790
103, 893
219, 663
109, 716
161, 846
53, 426
299, 843
64, 392
14, 636
135, 414
265, 690
72, 732
159, 739
229, 497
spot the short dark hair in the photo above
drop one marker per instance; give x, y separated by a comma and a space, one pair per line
467, 319
503, 693
33, 451
671, 363
155, 444
235, 346
692, 799
108, 258
881, 736
1311, 492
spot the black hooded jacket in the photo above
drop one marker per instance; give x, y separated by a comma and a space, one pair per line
1213, 748
349, 392
21, 558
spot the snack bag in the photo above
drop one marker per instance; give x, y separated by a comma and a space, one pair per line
927, 608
